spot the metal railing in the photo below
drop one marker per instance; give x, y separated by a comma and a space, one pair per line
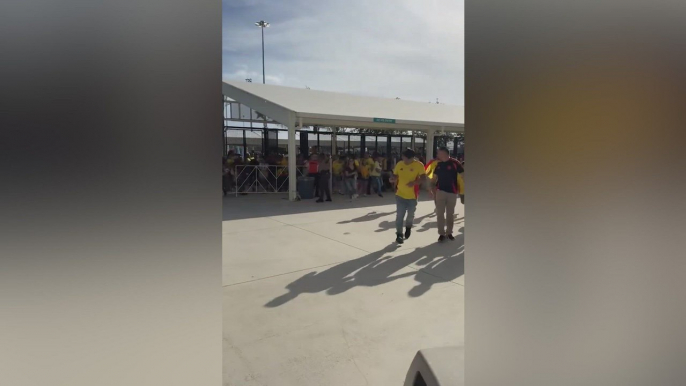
261, 179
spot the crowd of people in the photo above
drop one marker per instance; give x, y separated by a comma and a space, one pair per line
365, 176
354, 176
255, 172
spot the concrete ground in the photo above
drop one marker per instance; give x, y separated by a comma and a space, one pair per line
320, 294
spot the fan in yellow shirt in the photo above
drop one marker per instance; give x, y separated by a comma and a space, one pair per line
375, 176
283, 170
363, 180
408, 176
337, 167
369, 161
364, 171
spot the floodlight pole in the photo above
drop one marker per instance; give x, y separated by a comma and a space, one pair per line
262, 24
263, 77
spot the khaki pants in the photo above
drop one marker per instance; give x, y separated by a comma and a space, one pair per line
445, 208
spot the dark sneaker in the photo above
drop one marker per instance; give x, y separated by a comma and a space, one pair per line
380, 195
328, 200
441, 238
451, 237
320, 200
399, 238
408, 232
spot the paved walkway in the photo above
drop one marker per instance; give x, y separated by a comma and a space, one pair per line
319, 294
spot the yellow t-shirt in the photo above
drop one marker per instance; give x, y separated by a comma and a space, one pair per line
364, 171
375, 171
337, 167
283, 171
406, 174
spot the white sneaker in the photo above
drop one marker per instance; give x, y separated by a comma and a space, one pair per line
355, 196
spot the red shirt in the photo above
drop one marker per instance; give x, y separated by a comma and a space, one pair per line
313, 167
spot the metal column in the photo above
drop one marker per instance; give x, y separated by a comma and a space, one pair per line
429, 146
389, 149
292, 168
334, 142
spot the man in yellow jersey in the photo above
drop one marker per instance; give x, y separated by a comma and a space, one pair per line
408, 176
368, 162
375, 176
363, 180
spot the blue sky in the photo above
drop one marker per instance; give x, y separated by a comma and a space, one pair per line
412, 49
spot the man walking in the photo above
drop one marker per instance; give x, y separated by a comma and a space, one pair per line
324, 177
445, 177
408, 176
375, 176
313, 171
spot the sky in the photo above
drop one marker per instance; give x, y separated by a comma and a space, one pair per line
410, 49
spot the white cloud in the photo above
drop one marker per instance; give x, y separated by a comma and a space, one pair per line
390, 48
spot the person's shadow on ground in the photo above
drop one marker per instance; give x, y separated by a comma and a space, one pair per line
371, 216
388, 225
438, 263
441, 270
314, 282
434, 224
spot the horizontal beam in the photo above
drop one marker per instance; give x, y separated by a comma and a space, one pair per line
377, 125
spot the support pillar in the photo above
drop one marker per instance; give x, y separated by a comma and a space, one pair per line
245, 145
389, 149
292, 167
429, 146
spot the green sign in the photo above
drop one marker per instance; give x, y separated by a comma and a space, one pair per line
384, 120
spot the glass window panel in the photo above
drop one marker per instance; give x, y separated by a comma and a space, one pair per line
355, 142
234, 111
245, 112
325, 143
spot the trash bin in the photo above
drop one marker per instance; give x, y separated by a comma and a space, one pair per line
305, 187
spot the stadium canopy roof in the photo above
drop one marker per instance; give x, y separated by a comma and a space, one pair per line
324, 108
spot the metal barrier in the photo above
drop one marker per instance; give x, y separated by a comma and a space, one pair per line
262, 178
